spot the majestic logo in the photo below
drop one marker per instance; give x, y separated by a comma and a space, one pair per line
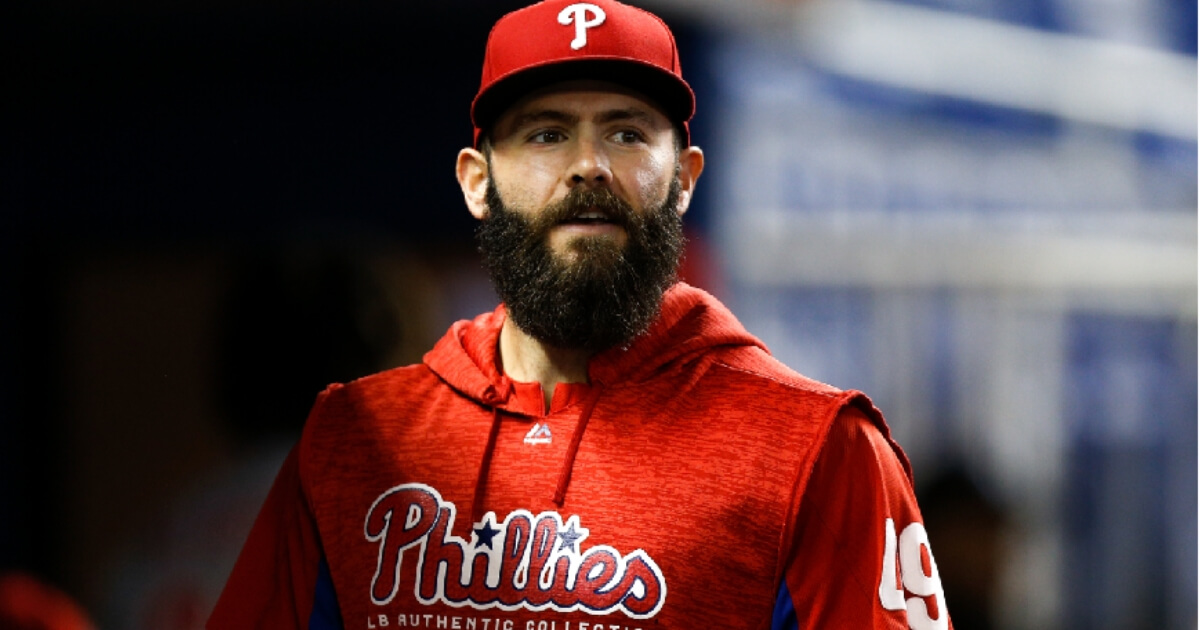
578, 13
539, 434
527, 562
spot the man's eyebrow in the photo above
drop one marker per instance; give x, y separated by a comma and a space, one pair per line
629, 113
542, 115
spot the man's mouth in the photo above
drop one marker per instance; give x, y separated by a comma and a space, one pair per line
592, 216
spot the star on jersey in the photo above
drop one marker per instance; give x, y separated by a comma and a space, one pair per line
570, 537
485, 533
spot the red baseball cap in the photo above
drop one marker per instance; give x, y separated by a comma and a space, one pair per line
560, 40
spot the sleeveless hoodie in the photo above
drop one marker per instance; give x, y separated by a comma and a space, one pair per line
661, 494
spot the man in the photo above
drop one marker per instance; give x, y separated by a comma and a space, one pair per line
608, 448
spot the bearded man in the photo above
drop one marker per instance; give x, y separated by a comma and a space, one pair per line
608, 448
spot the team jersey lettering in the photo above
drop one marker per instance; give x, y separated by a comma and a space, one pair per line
917, 573
531, 562
578, 13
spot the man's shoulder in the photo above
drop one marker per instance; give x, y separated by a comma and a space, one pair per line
393, 376
346, 412
753, 365
393, 383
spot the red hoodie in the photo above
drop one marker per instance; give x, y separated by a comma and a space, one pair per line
694, 482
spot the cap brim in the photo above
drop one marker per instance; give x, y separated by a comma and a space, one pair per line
666, 90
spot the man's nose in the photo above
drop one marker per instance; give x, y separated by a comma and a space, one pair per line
590, 166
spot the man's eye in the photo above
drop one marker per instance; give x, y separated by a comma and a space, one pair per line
628, 136
546, 137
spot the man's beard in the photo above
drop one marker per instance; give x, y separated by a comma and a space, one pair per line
599, 294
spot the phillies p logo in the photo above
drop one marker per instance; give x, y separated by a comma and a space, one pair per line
585, 16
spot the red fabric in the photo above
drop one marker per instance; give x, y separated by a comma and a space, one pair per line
27, 603
858, 483
272, 583
683, 508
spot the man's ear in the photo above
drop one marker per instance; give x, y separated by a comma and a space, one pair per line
472, 172
691, 164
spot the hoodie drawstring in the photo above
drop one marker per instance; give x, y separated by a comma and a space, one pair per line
564, 477
484, 465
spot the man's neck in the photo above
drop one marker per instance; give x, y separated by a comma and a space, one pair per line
527, 360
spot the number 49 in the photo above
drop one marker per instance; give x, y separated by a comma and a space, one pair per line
918, 573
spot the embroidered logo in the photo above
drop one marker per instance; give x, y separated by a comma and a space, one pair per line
539, 434
531, 562
578, 13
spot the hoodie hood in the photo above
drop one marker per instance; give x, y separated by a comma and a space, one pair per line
690, 322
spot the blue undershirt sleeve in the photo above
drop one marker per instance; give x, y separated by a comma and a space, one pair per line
326, 614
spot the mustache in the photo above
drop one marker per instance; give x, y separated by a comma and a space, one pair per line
580, 200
